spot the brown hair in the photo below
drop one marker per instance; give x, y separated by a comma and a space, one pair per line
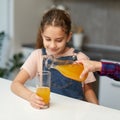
54, 17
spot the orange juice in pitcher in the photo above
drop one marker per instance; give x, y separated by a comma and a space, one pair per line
72, 71
65, 67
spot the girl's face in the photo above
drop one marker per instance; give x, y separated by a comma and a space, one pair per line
55, 39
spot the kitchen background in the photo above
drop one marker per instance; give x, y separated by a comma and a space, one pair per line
99, 19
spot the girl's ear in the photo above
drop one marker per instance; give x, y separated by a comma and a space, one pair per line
69, 37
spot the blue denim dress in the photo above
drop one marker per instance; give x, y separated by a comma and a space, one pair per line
63, 85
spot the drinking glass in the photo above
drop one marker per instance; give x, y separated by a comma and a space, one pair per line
43, 82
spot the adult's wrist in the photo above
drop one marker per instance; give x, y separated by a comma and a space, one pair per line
98, 66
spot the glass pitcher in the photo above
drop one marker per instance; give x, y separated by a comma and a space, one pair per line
65, 67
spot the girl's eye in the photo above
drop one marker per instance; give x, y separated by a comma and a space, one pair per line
59, 40
47, 39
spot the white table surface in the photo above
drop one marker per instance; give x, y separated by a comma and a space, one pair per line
13, 107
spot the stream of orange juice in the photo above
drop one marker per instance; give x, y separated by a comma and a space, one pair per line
72, 71
44, 92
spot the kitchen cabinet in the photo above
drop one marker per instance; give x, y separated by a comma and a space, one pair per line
109, 92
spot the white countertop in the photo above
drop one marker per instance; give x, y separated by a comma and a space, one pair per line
13, 107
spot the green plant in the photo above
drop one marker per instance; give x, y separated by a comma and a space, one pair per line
15, 62
12, 65
2, 35
3, 72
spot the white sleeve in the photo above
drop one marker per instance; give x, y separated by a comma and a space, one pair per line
31, 64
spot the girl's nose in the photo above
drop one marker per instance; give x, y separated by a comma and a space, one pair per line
52, 45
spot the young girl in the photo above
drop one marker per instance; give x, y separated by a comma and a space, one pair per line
53, 36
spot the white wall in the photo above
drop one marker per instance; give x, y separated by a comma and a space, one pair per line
20, 20
4, 48
4, 15
25, 20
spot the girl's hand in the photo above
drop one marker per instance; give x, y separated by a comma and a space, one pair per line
36, 101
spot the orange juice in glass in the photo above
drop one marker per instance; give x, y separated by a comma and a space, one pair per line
44, 92
43, 82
